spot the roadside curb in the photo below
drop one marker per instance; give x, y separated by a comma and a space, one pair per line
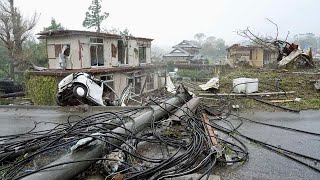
71, 108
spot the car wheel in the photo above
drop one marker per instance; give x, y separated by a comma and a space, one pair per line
80, 91
59, 100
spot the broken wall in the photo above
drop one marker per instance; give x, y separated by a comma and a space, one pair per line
80, 52
53, 50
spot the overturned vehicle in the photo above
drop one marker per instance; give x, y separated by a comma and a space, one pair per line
82, 88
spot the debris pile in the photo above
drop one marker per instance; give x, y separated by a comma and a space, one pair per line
291, 54
115, 142
168, 139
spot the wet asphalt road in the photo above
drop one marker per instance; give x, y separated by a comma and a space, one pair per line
263, 164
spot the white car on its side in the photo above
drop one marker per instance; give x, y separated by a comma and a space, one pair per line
80, 88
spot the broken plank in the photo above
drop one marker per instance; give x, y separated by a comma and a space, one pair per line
210, 130
249, 94
282, 101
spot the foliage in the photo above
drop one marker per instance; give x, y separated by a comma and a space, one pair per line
170, 66
157, 53
307, 40
14, 31
197, 75
199, 37
5, 101
117, 31
4, 61
41, 89
36, 53
54, 26
94, 17
211, 47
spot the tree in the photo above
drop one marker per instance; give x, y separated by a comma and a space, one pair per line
4, 61
211, 47
157, 53
199, 37
35, 52
94, 17
54, 26
307, 40
14, 31
117, 31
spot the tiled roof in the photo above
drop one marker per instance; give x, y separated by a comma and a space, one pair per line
186, 44
178, 52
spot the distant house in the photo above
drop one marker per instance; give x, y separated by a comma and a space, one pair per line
117, 60
185, 53
255, 56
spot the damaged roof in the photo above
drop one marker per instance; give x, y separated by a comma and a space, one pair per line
249, 47
101, 70
63, 33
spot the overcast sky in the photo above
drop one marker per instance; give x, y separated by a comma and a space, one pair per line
171, 21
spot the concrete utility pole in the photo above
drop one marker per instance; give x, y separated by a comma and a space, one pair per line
68, 170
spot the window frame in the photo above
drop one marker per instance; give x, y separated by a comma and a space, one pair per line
97, 44
144, 54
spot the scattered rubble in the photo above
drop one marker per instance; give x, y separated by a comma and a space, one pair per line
119, 145
212, 83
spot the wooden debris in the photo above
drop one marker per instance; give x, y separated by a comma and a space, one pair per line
249, 94
210, 130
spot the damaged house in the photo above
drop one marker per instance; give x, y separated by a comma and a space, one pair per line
116, 60
252, 55
185, 52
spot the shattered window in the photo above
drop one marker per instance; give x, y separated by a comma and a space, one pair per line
150, 81
57, 49
96, 55
113, 50
142, 55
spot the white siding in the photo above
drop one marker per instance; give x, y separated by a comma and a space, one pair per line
133, 56
148, 54
80, 52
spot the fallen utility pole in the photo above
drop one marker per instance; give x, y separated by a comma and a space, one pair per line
68, 170
249, 94
186, 110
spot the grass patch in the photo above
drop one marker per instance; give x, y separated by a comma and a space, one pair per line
6, 101
288, 81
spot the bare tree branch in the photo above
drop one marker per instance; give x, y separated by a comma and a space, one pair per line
287, 36
14, 31
276, 27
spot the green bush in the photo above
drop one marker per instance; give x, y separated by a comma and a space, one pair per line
41, 89
194, 74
